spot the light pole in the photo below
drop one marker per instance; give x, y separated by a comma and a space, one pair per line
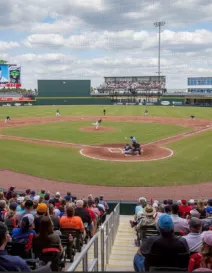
159, 25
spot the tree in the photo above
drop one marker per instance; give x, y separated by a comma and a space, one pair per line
3, 62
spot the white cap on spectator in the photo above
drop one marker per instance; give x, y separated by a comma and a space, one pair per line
57, 212
79, 203
57, 193
142, 199
179, 202
20, 199
191, 201
36, 198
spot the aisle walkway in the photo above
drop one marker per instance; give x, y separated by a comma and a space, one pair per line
124, 249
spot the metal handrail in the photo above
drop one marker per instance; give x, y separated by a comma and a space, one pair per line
84, 256
108, 233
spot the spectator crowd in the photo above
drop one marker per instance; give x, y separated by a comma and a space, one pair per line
173, 235
37, 220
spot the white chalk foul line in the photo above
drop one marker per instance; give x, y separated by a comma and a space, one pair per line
135, 161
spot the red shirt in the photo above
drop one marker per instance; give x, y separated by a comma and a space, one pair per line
92, 214
183, 210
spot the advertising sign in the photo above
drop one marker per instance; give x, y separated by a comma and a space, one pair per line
4, 75
15, 74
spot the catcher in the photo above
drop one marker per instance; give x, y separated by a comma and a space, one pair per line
127, 149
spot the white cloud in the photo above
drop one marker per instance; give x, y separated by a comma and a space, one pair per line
8, 45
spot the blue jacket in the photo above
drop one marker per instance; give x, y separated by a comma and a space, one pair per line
12, 263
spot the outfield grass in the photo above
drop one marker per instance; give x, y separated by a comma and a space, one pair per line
155, 111
70, 132
191, 164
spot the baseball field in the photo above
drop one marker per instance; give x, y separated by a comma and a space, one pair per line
176, 150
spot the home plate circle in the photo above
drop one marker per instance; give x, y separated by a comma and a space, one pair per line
114, 152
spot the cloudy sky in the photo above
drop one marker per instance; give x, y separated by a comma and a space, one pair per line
90, 39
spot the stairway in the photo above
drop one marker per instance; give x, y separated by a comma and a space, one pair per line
124, 249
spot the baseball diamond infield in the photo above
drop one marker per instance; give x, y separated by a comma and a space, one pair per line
110, 152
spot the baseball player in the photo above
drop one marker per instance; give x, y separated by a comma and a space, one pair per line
146, 112
97, 123
7, 119
127, 149
57, 113
133, 139
192, 117
104, 112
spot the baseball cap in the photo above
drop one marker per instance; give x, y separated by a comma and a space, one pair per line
184, 202
42, 208
13, 206
209, 210
32, 192
165, 222
20, 199
191, 201
57, 193
30, 218
207, 237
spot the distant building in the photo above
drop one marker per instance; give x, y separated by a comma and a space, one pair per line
200, 84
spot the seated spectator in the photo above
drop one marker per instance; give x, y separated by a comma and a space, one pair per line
192, 204
194, 213
148, 219
69, 197
46, 237
70, 220
93, 217
10, 219
164, 250
41, 211
56, 200
28, 209
201, 208
46, 198
55, 219
184, 209
32, 195
2, 196
42, 193
160, 211
167, 209
207, 222
82, 213
3, 210
169, 202
194, 238
99, 206
28, 192
21, 234
92, 207
103, 202
180, 224
10, 192
139, 209
206, 251
21, 202
62, 207
7, 262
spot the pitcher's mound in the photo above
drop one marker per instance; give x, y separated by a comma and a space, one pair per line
100, 129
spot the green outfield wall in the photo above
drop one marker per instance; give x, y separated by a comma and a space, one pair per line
64, 88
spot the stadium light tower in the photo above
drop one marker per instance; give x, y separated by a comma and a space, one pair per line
159, 25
